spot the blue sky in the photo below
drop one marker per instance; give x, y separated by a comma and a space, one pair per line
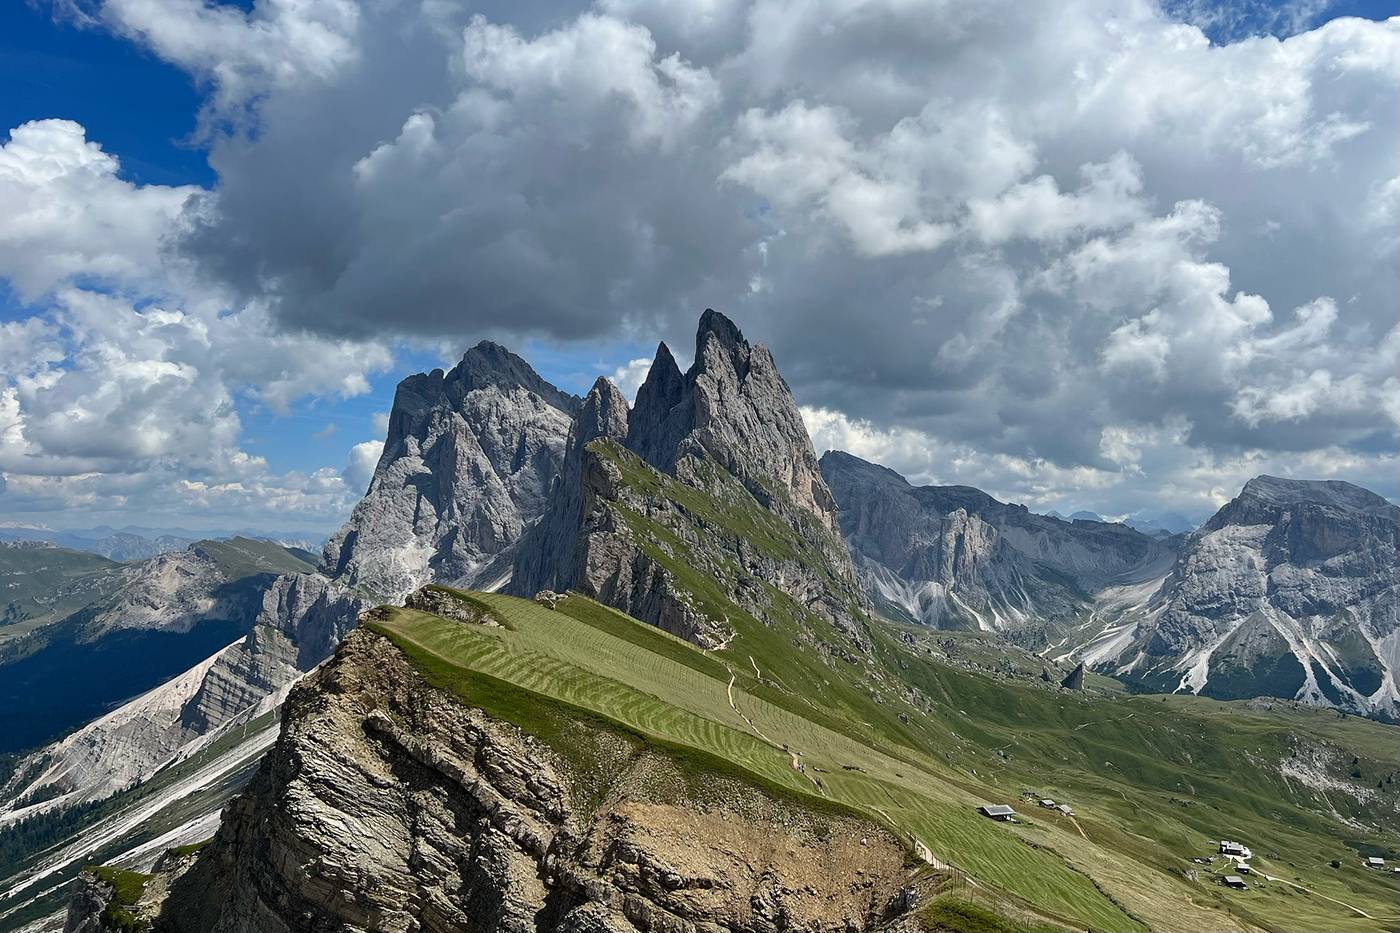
141, 101
139, 107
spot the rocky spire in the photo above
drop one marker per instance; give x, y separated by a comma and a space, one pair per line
730, 409
733, 407
545, 559
659, 419
1075, 679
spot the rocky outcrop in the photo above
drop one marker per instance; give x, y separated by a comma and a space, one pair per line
1075, 679
953, 556
88, 902
1290, 590
467, 467
303, 618
387, 805
451, 605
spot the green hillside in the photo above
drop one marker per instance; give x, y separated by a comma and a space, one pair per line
43, 584
1153, 783
246, 557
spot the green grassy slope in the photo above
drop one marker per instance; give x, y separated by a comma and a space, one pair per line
1125, 764
246, 557
42, 585
1178, 773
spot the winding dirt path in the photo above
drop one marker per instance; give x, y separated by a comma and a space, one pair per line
1096, 722
1350, 907
794, 757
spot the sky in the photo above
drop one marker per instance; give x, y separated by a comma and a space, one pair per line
1114, 255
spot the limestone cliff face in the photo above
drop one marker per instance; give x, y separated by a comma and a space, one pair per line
387, 805
467, 467
546, 561
613, 567
303, 618
954, 556
1290, 590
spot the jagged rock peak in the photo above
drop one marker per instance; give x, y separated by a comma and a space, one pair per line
604, 413
733, 406
725, 332
545, 557
1075, 678
490, 364
467, 466
660, 419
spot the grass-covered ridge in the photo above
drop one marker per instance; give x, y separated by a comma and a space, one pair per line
1123, 863
240, 557
39, 585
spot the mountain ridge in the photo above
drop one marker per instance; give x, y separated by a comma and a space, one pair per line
626, 502
1289, 590
955, 555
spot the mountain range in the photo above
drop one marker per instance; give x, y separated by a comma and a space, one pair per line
836, 599
954, 557
136, 542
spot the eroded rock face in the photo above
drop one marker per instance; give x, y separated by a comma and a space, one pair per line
388, 806
303, 617
467, 467
546, 559
953, 556
1289, 590
89, 900
612, 567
